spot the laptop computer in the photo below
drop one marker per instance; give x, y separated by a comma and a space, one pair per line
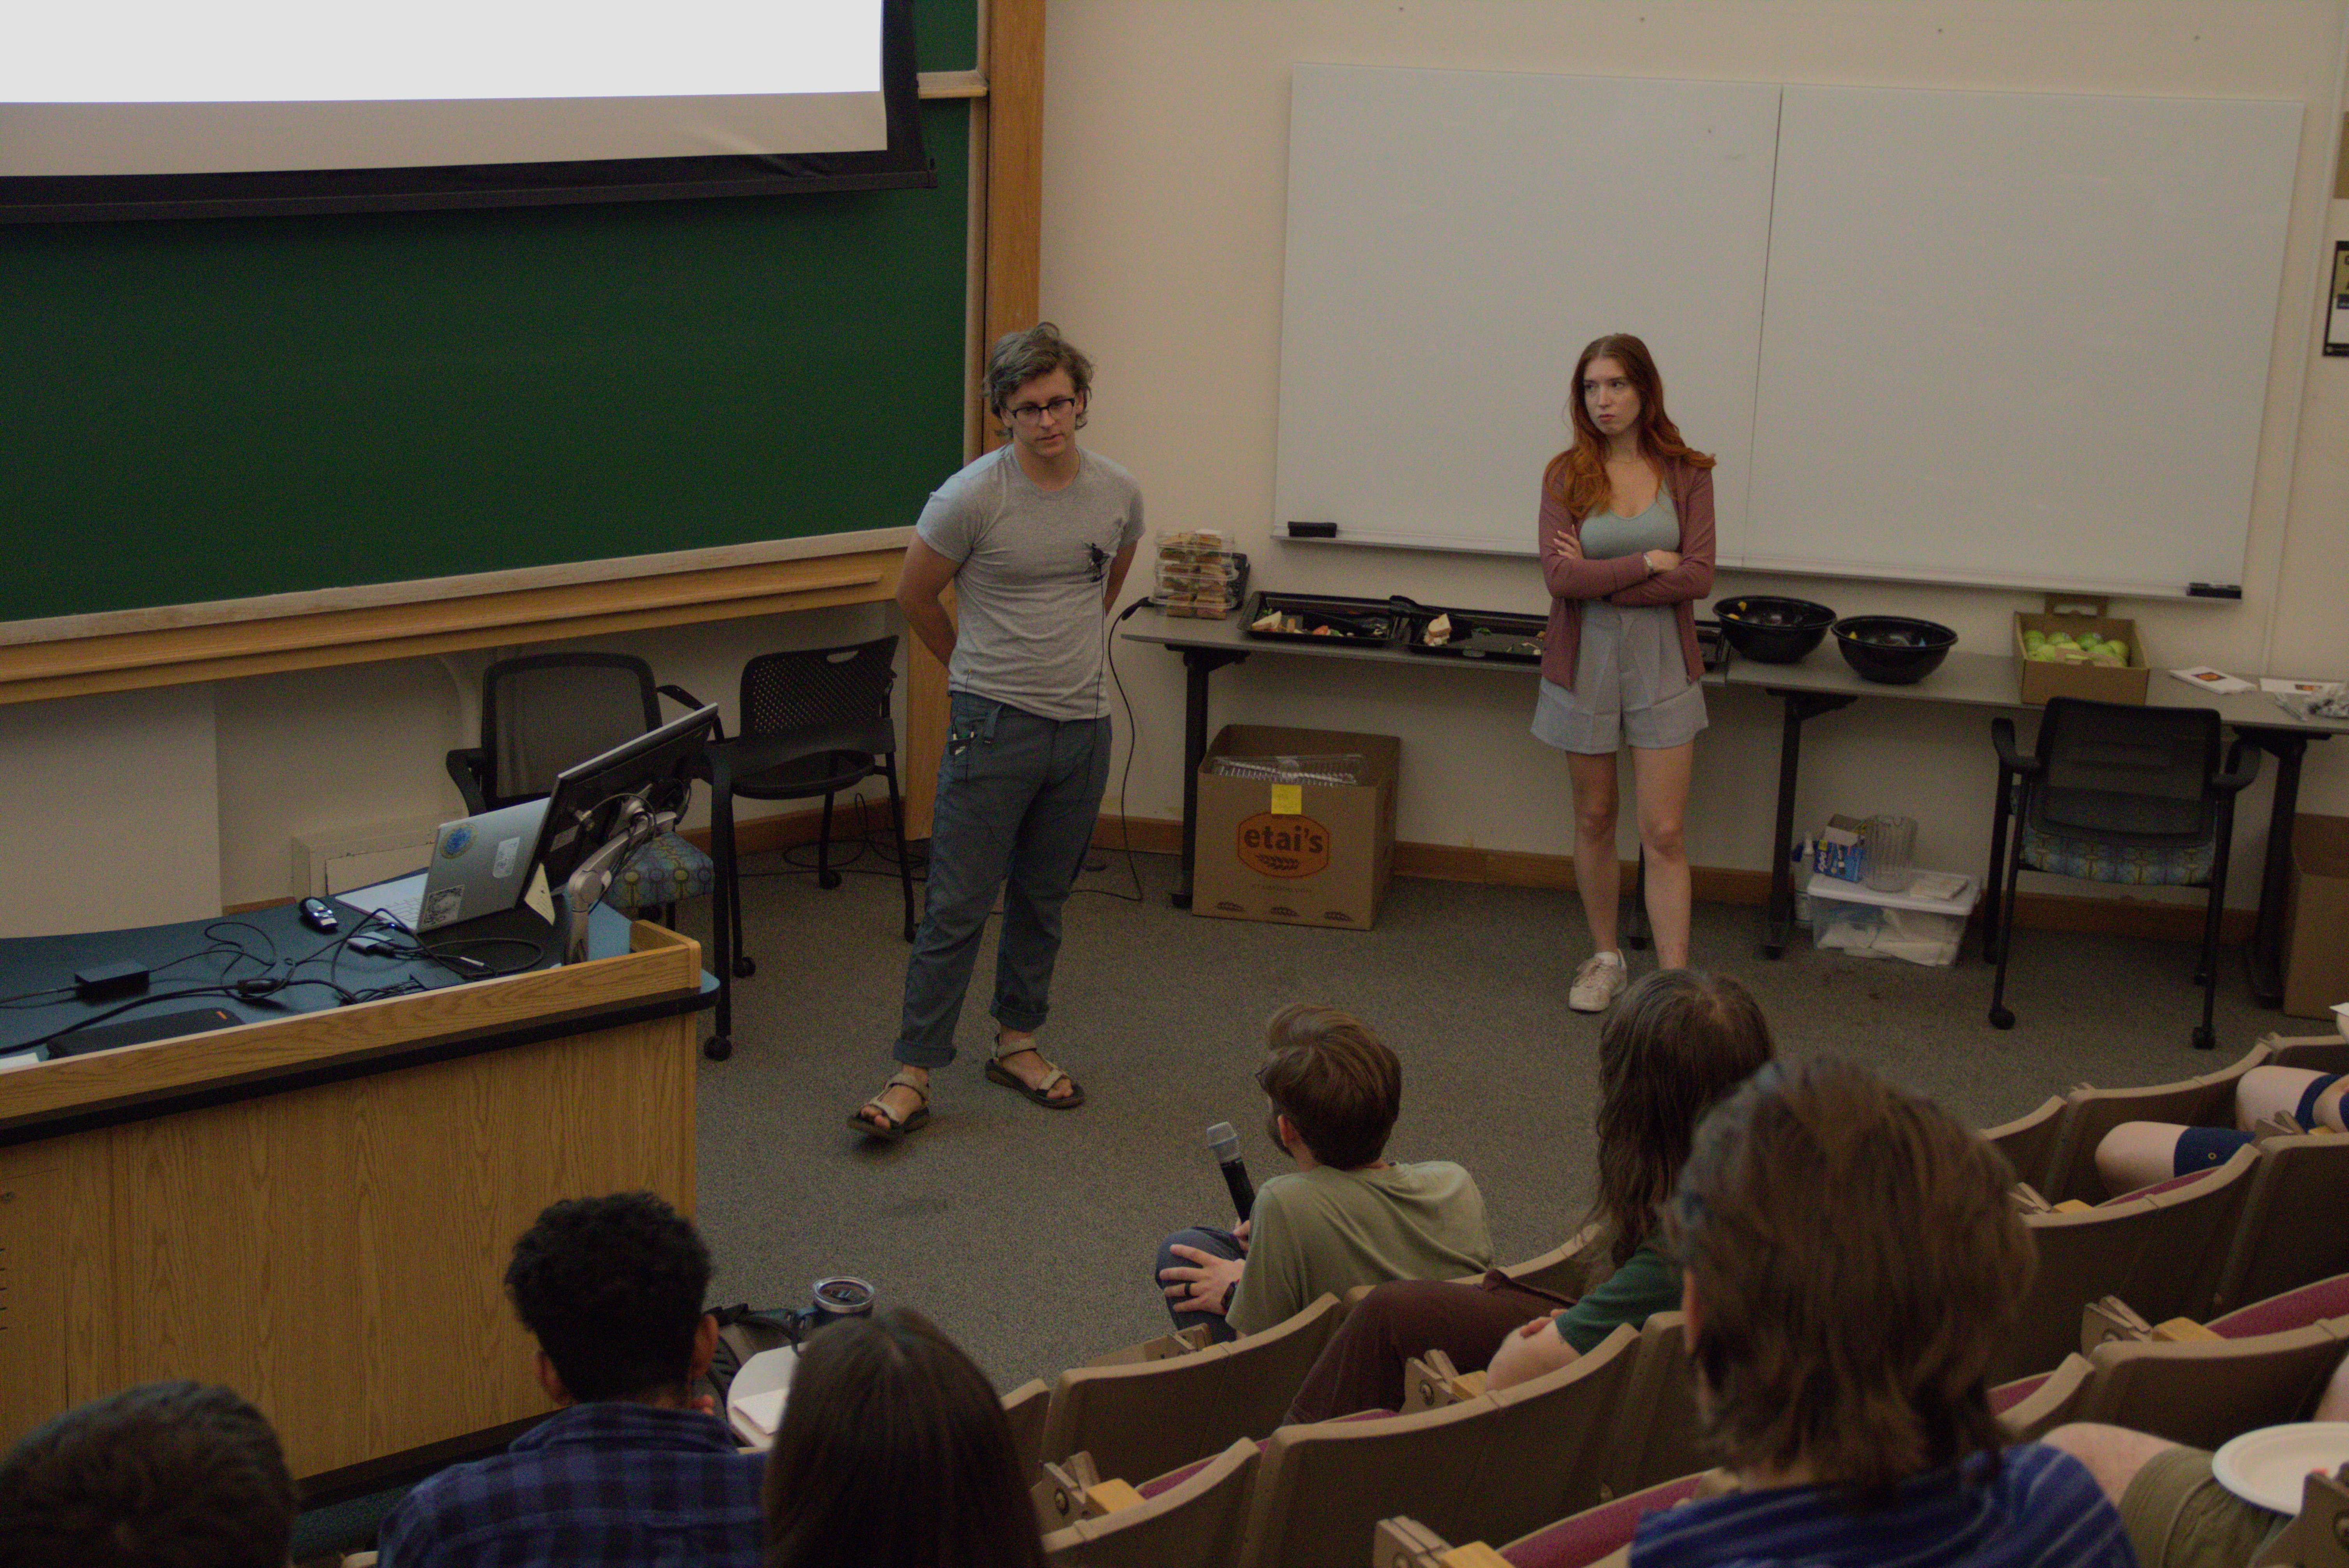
481, 865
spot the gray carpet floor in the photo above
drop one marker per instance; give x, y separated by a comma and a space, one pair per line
1028, 1234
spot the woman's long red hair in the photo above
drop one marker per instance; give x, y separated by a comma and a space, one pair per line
1578, 476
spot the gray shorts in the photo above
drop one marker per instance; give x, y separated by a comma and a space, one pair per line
1630, 685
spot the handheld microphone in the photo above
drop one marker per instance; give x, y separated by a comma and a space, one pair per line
1225, 1144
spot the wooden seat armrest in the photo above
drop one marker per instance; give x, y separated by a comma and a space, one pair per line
1402, 1543
2110, 1318
2318, 1536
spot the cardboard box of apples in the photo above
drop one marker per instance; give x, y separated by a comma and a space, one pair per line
2095, 656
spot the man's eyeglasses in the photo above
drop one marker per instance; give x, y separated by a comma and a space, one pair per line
1030, 413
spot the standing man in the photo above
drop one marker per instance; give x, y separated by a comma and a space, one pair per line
1036, 538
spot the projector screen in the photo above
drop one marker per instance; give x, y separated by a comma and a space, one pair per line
117, 107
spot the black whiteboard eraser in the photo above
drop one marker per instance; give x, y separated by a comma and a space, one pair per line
2214, 589
1312, 531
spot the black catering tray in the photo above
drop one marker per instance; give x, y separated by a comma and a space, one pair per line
1478, 635
1363, 622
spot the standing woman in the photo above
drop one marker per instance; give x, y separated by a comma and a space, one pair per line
1626, 551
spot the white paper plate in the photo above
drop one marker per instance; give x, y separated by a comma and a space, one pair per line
2267, 1467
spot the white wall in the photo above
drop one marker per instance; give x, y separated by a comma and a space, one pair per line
1164, 204
109, 794
1164, 210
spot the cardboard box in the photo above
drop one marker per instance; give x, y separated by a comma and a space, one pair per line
1302, 854
2041, 679
2316, 917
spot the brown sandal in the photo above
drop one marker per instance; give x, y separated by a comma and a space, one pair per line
888, 1128
1041, 1093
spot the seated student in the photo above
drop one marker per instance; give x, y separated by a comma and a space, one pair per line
2176, 1513
634, 1469
167, 1475
1851, 1260
2139, 1153
1676, 1043
1347, 1216
895, 1450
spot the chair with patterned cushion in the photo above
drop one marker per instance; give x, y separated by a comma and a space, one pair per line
2113, 792
544, 713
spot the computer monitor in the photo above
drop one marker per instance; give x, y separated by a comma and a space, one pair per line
587, 804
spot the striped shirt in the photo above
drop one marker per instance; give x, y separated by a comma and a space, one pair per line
606, 1484
2038, 1509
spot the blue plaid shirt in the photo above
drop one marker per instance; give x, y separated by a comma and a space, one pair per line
601, 1485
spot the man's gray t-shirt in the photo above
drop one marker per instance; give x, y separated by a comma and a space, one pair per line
1033, 565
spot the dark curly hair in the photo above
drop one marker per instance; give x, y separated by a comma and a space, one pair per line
166, 1475
613, 1289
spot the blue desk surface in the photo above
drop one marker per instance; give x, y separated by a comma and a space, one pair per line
192, 963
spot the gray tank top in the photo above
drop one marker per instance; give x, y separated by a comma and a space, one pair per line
1606, 536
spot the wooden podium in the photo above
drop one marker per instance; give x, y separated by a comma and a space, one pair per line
318, 1210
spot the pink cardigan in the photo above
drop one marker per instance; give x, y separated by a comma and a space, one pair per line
1625, 580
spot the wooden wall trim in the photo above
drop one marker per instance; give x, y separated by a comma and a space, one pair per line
1015, 162
2108, 916
180, 654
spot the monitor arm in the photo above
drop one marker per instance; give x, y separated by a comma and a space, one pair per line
638, 826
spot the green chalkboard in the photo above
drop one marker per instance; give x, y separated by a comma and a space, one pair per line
203, 410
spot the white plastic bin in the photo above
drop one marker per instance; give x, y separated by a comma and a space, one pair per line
1923, 925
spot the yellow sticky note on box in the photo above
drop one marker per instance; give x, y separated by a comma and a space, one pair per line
1287, 800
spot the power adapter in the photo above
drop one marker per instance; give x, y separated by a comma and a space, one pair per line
117, 979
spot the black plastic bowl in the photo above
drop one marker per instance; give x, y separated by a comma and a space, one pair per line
1771, 631
1893, 649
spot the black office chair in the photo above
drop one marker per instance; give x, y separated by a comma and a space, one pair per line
2115, 793
543, 713
813, 722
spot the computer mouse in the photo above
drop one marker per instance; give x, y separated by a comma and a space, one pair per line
319, 916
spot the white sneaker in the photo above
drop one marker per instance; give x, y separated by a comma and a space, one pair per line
1596, 983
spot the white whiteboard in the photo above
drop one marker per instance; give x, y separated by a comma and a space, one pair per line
1973, 338
2018, 338
1454, 239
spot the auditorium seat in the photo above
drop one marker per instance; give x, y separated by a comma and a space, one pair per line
2203, 1392
1147, 1417
1575, 1541
1026, 1408
2316, 1053
2292, 1230
1197, 1521
2150, 1250
1657, 1438
2208, 1100
2034, 1406
1491, 1467
2292, 1308
2031, 1139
